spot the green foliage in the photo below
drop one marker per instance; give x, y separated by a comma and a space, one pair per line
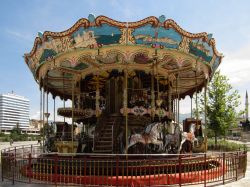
4, 137
223, 145
221, 105
47, 130
17, 135
222, 101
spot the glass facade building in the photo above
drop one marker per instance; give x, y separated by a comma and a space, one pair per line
14, 110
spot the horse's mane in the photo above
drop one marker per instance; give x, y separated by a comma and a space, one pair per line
149, 128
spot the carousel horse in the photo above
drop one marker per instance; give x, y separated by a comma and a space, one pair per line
172, 139
150, 136
190, 136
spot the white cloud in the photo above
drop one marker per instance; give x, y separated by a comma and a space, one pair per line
237, 70
236, 66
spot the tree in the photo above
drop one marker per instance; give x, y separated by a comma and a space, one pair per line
16, 133
222, 102
47, 130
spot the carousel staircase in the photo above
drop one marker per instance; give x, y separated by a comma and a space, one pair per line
103, 142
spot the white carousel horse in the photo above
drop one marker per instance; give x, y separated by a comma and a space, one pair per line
190, 136
151, 135
172, 139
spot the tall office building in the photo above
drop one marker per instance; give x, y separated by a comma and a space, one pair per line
14, 110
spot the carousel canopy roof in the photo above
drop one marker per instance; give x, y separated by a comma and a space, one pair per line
99, 45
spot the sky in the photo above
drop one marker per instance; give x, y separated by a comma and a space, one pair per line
21, 20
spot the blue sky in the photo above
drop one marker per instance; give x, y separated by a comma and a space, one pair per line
20, 20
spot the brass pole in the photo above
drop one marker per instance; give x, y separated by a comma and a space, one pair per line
169, 97
63, 98
41, 100
43, 112
178, 101
176, 104
191, 99
196, 98
174, 109
54, 109
72, 126
158, 95
158, 87
126, 106
97, 97
205, 111
47, 104
152, 95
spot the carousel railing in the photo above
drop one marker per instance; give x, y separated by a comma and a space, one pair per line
29, 165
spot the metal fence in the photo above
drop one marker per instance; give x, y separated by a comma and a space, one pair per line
28, 164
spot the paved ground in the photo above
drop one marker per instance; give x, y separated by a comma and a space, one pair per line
4, 145
245, 182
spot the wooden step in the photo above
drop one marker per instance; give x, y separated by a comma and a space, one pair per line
103, 146
103, 151
104, 141
105, 138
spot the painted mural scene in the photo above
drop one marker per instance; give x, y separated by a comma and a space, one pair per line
124, 82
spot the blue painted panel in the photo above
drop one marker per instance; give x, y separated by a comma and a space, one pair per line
201, 49
47, 53
149, 35
216, 63
105, 35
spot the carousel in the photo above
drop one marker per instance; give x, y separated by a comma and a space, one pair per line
124, 81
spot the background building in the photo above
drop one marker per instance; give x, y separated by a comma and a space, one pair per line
14, 110
34, 127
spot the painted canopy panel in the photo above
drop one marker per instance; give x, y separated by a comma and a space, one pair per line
104, 35
103, 31
149, 35
101, 43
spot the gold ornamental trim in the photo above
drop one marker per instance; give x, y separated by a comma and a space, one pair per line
83, 22
103, 19
169, 23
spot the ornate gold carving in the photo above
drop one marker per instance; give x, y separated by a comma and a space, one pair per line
212, 43
80, 23
61, 42
149, 20
127, 37
184, 45
213, 60
172, 24
203, 35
